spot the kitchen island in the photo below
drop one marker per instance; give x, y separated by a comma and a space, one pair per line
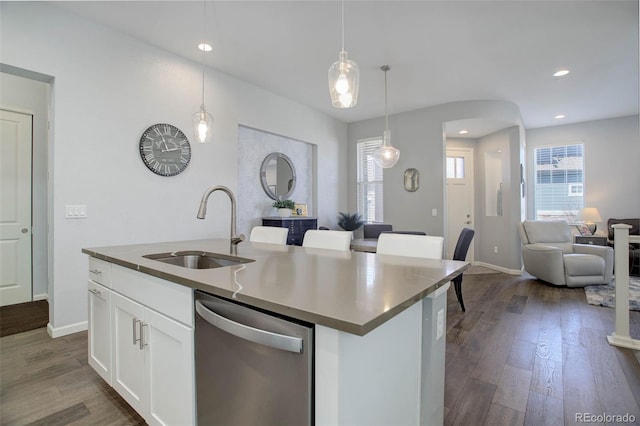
379, 319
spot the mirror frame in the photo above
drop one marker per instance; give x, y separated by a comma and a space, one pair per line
411, 180
263, 175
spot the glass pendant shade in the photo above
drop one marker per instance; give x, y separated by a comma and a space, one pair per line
386, 156
344, 79
203, 125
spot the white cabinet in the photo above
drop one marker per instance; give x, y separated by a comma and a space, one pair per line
128, 352
151, 362
100, 330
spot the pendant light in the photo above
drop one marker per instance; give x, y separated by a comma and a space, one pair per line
202, 120
386, 156
344, 78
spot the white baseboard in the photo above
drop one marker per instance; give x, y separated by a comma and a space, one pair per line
498, 268
43, 296
55, 332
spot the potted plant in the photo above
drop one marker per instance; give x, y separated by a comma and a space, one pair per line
285, 207
350, 221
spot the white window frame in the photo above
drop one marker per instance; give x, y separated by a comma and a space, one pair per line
573, 207
369, 181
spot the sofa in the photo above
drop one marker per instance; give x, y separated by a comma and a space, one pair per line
634, 249
549, 254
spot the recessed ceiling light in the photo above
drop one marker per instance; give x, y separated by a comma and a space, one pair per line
561, 73
559, 116
463, 132
205, 47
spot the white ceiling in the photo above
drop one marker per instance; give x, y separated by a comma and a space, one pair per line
439, 51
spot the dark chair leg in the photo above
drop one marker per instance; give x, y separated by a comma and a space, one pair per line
457, 285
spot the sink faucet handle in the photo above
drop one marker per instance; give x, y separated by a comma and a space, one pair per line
238, 239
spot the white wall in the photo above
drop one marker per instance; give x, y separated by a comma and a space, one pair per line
32, 97
612, 163
108, 88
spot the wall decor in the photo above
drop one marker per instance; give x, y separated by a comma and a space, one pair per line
278, 176
300, 210
164, 149
411, 180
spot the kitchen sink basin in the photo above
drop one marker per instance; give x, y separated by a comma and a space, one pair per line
197, 259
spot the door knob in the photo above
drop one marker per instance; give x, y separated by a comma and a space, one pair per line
24, 230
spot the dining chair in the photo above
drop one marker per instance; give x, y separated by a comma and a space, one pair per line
269, 234
327, 239
426, 246
460, 253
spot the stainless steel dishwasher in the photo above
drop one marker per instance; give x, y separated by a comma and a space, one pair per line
252, 368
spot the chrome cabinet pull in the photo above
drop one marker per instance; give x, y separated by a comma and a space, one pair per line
142, 344
135, 320
95, 291
95, 271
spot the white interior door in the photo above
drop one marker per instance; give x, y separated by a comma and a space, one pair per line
460, 196
15, 207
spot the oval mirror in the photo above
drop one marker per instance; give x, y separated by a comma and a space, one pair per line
278, 176
411, 180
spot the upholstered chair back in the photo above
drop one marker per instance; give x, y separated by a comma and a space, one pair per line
551, 233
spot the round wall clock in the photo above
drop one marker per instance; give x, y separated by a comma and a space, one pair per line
165, 150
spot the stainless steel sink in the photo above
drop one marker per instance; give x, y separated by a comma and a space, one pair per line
197, 259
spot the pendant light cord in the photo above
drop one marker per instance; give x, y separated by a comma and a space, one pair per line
386, 114
204, 52
385, 68
343, 25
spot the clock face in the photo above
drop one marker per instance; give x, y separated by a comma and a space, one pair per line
165, 150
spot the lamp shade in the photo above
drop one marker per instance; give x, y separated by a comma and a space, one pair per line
387, 155
202, 125
590, 215
344, 78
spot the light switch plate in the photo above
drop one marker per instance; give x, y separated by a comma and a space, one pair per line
75, 211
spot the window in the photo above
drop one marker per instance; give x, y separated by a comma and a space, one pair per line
455, 167
369, 181
559, 182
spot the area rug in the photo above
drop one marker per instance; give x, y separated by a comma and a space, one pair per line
605, 295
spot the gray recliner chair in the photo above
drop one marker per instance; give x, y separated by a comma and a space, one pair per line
548, 253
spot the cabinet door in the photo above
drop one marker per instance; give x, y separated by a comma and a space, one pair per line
170, 369
99, 332
128, 355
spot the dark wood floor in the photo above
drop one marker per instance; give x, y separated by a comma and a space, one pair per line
527, 353
46, 381
523, 353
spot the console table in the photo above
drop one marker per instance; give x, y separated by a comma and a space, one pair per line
591, 239
297, 226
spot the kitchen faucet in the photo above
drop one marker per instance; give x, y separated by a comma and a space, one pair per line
202, 212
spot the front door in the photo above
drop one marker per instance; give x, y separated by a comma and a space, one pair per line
15, 207
460, 196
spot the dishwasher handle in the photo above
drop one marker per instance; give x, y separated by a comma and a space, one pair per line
256, 335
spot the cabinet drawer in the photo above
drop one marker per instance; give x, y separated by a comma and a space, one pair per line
100, 271
173, 300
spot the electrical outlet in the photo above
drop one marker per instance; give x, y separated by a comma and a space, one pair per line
434, 212
440, 324
495, 249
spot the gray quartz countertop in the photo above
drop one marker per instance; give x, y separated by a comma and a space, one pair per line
351, 291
